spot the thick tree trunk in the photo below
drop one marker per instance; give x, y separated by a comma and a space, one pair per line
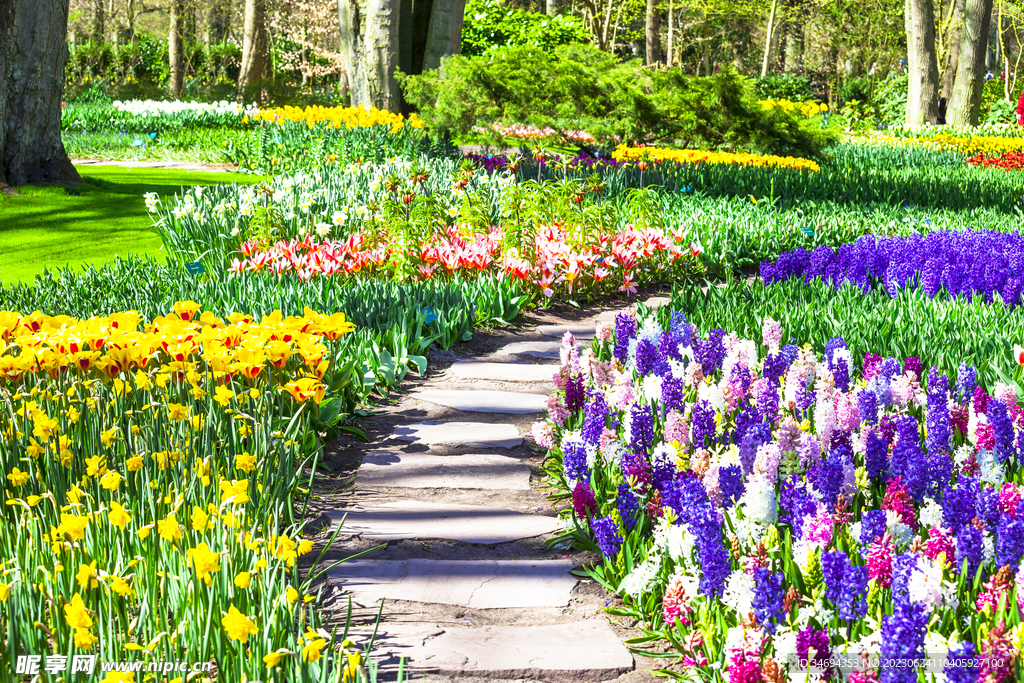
444, 36
33, 53
174, 50
255, 43
965, 103
923, 84
99, 23
953, 32
369, 48
653, 33
218, 22
551, 7
794, 61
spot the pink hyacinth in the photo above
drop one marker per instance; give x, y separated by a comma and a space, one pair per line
847, 413
604, 331
1009, 498
897, 499
557, 409
674, 605
992, 592
543, 434
998, 656
818, 528
938, 543
677, 428
1006, 394
766, 462
771, 333
880, 561
985, 436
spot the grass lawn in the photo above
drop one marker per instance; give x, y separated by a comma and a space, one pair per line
48, 227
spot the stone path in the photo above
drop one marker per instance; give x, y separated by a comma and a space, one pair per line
471, 589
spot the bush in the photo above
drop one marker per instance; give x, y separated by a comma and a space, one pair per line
891, 100
577, 86
488, 24
784, 87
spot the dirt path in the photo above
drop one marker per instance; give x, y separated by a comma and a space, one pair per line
178, 165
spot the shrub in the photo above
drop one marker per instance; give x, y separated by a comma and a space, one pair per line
577, 86
488, 24
784, 87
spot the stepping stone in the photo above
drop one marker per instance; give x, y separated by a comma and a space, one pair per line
577, 652
475, 434
413, 519
503, 372
485, 401
480, 584
423, 471
543, 349
658, 302
578, 331
608, 316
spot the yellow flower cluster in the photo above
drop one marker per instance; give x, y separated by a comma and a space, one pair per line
694, 156
146, 466
349, 117
970, 145
805, 109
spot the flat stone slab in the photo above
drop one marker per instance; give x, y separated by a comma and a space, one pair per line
578, 331
608, 316
414, 519
572, 653
533, 349
483, 401
503, 372
475, 434
425, 471
480, 584
657, 302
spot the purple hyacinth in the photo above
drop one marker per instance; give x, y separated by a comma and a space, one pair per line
876, 457
768, 402
775, 365
988, 507
1002, 429
628, 505
970, 547
642, 429
594, 416
755, 436
831, 475
646, 357
710, 352
606, 533
914, 365
574, 460
575, 396
668, 347
846, 585
768, 603
795, 501
812, 647
962, 664
681, 330
981, 400
696, 511
625, 331
908, 459
903, 634
939, 441
584, 503
872, 363
959, 503
867, 404
702, 424
730, 482
673, 394
1009, 541
890, 368
966, 382
872, 526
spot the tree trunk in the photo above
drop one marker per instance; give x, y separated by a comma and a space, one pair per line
174, 50
99, 23
33, 52
218, 21
769, 35
653, 34
444, 37
369, 47
953, 32
551, 7
965, 103
254, 48
794, 47
671, 37
923, 83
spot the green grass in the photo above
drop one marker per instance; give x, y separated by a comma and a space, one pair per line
49, 227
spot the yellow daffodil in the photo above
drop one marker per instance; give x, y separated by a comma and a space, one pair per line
238, 626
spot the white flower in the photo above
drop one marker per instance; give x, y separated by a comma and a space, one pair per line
642, 576
152, 201
931, 514
992, 471
739, 592
338, 218
925, 583
323, 229
901, 533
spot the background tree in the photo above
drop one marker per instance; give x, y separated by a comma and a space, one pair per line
33, 51
255, 43
653, 31
965, 101
175, 49
923, 71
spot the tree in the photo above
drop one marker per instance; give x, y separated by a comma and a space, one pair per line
653, 32
98, 21
379, 35
923, 72
218, 22
954, 24
175, 49
965, 101
33, 52
255, 43
551, 7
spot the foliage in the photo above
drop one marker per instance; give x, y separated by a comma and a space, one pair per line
784, 87
489, 24
891, 100
582, 87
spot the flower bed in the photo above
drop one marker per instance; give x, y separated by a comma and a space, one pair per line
963, 264
152, 481
767, 512
558, 259
338, 117
1009, 161
694, 156
527, 132
807, 109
